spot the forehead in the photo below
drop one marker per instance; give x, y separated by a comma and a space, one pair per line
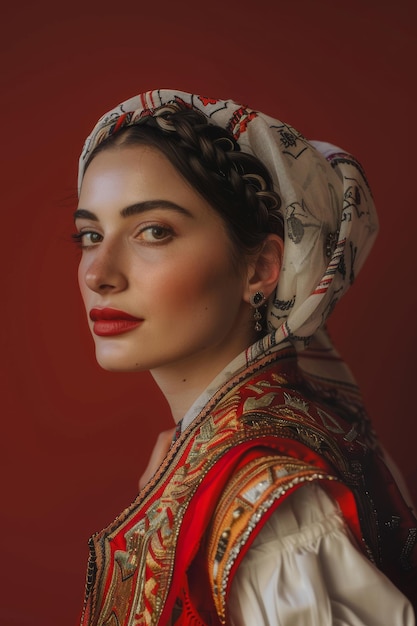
119, 165
131, 173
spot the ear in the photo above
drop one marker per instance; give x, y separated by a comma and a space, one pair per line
264, 269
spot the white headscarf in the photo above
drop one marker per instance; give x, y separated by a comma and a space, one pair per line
329, 216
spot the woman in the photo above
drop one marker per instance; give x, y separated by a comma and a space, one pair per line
273, 505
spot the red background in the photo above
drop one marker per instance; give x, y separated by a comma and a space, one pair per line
74, 438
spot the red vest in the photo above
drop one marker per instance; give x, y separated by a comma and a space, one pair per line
171, 556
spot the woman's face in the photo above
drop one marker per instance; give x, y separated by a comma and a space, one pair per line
157, 275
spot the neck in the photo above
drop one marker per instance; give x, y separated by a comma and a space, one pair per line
179, 391
182, 383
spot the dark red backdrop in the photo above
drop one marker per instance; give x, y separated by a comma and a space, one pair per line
74, 438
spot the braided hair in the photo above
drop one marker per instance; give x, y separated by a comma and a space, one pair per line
236, 184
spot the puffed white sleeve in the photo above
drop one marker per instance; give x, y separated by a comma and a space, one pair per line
303, 569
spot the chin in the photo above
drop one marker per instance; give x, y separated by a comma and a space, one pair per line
111, 366
113, 362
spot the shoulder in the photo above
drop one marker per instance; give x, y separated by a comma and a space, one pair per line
304, 565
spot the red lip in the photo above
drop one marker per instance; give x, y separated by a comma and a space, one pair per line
109, 322
111, 314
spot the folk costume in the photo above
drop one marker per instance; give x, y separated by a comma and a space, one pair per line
275, 479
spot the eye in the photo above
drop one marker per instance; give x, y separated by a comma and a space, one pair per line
87, 238
155, 233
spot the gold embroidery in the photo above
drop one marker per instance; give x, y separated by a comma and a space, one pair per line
256, 403
296, 402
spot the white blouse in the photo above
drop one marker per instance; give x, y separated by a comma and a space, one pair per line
303, 569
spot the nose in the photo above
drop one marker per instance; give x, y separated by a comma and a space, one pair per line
102, 270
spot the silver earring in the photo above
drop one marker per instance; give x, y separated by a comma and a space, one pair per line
256, 300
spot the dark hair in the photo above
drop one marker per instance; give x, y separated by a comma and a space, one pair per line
236, 184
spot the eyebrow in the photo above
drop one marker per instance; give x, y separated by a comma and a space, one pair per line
136, 209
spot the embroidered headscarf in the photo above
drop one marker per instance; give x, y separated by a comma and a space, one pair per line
327, 207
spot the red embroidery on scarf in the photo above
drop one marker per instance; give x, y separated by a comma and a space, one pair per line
240, 120
207, 101
120, 122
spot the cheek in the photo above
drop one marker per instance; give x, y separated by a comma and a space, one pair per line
195, 287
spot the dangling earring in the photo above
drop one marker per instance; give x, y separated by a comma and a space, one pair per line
256, 300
